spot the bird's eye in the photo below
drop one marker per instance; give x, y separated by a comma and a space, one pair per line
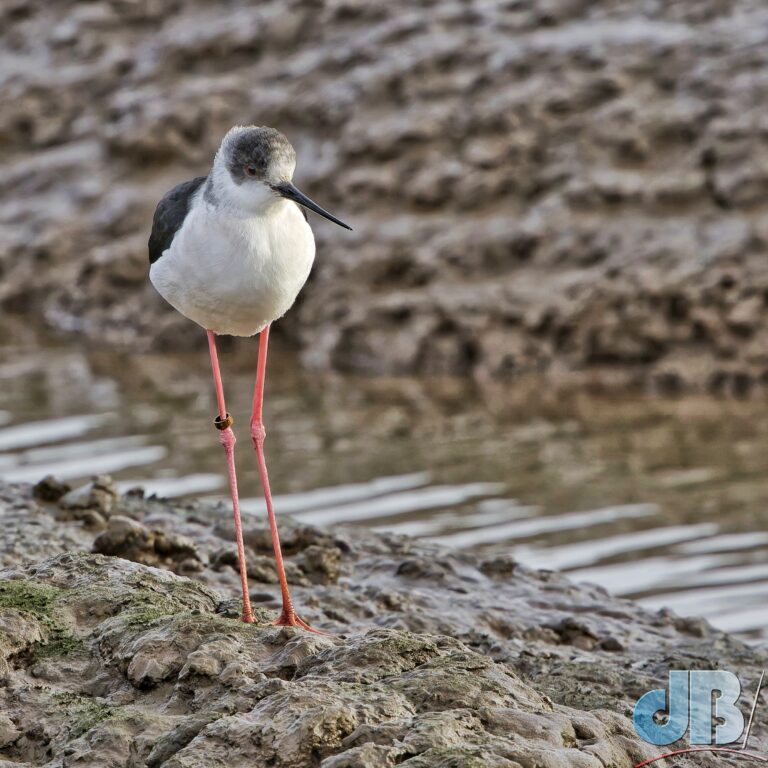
250, 170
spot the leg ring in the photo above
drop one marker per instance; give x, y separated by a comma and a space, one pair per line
224, 423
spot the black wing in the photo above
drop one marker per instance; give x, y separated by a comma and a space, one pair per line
169, 216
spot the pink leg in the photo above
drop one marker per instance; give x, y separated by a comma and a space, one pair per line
288, 615
227, 439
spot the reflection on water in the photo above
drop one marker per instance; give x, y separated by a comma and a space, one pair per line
663, 501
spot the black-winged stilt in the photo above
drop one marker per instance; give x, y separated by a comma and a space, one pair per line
231, 251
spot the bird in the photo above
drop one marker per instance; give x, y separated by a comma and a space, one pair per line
230, 251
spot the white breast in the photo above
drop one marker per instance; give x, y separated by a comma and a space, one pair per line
234, 274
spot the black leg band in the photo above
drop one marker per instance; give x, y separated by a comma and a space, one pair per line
224, 423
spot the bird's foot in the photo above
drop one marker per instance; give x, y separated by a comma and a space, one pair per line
290, 619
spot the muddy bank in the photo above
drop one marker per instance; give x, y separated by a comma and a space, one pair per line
434, 658
567, 188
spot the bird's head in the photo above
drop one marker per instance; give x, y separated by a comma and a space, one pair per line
258, 165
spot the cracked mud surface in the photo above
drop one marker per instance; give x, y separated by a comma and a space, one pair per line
435, 658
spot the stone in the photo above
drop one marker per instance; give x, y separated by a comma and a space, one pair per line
128, 538
51, 489
8, 731
97, 496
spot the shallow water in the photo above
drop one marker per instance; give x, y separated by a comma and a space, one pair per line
663, 501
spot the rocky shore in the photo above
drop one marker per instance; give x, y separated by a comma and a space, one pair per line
120, 645
566, 187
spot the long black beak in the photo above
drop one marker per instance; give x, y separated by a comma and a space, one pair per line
287, 190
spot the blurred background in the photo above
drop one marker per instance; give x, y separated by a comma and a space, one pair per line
547, 333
